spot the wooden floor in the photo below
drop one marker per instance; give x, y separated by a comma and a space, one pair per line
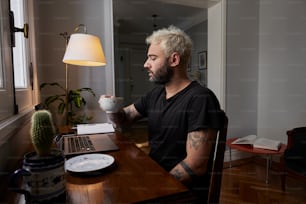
244, 182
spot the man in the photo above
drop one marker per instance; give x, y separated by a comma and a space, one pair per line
182, 115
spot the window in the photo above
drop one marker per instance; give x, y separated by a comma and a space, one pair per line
21, 57
6, 78
19, 51
15, 97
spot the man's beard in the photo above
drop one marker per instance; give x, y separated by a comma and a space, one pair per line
163, 75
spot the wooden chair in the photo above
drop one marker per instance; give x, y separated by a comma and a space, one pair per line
216, 167
293, 163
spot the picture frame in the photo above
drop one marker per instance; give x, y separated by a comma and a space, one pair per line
202, 60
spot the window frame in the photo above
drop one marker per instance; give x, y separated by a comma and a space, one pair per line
7, 91
21, 49
14, 121
24, 95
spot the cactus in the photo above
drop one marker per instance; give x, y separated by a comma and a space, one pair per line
42, 132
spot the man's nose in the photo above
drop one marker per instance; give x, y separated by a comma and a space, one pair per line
146, 65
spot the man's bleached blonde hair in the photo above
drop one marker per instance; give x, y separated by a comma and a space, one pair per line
172, 39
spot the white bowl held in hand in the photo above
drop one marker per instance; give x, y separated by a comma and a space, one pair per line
111, 104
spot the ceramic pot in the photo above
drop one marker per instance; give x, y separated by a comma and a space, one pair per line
43, 178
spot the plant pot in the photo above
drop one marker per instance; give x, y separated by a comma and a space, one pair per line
43, 178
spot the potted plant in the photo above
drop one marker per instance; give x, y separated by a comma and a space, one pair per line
69, 102
43, 170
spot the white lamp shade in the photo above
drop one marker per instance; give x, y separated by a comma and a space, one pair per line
84, 50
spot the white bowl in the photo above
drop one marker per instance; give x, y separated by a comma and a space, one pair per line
111, 104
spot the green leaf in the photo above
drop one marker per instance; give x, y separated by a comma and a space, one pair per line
52, 84
61, 107
52, 99
87, 90
77, 102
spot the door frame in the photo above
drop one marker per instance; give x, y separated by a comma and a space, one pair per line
216, 56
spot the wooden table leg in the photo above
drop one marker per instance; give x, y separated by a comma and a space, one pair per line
267, 168
230, 152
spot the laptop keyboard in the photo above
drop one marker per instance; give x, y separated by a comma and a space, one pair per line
80, 144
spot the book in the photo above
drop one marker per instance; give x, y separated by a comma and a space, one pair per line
94, 128
259, 142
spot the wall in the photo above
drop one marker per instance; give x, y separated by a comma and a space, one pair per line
53, 17
282, 72
242, 66
266, 49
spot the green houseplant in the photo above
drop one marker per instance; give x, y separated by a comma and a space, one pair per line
68, 102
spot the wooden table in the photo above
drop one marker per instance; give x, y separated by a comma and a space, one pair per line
135, 178
258, 151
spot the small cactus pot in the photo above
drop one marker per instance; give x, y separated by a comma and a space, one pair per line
43, 177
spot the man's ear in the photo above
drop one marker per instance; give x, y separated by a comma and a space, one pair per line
174, 59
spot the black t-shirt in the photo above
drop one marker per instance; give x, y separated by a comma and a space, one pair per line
170, 120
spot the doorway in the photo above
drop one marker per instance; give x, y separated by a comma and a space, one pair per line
133, 21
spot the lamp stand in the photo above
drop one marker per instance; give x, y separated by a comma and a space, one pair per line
67, 77
82, 49
66, 37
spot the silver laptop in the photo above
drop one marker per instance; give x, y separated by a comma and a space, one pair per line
83, 144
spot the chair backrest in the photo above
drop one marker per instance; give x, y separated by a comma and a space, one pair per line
296, 137
217, 163
296, 146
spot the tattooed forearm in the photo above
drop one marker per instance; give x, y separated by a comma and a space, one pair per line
195, 139
177, 174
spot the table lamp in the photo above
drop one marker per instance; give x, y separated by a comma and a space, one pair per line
82, 49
